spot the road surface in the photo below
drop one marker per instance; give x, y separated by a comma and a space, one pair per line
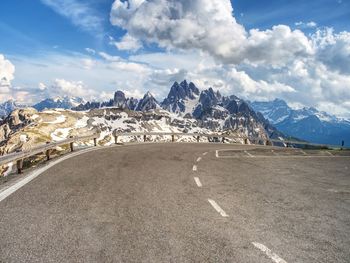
183, 203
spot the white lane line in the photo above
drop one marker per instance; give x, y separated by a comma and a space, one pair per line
199, 159
217, 208
303, 152
217, 154
249, 154
13, 188
205, 153
269, 253
194, 168
198, 182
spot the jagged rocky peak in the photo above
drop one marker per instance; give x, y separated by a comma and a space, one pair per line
147, 103
178, 96
206, 107
210, 98
183, 91
131, 103
119, 100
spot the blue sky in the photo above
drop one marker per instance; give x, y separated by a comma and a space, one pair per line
74, 43
31, 26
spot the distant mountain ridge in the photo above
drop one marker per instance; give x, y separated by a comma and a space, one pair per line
218, 113
209, 107
306, 123
58, 102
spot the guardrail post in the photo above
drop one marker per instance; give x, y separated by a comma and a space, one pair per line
198, 137
172, 138
48, 151
223, 139
71, 145
245, 141
115, 139
19, 166
95, 141
144, 138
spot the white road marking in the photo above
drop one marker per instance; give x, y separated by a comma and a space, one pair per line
194, 168
249, 154
205, 153
269, 253
217, 208
13, 188
217, 154
303, 152
329, 153
198, 182
199, 159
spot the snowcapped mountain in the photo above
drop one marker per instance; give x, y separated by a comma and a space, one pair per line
185, 110
58, 102
275, 111
7, 107
181, 98
119, 101
147, 103
306, 123
208, 107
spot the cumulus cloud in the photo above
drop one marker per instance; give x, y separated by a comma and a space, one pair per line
207, 25
64, 87
127, 43
7, 70
181, 24
309, 70
333, 49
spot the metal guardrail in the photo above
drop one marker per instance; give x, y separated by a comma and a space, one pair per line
20, 156
47, 148
245, 139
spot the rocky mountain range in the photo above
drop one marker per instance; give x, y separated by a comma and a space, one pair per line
185, 110
50, 103
307, 123
209, 108
58, 102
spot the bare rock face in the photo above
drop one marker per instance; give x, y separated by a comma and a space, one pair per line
16, 121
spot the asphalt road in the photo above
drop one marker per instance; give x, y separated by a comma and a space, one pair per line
183, 203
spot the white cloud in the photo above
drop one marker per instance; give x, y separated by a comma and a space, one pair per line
42, 86
333, 49
78, 12
72, 89
207, 25
310, 24
127, 43
90, 50
88, 63
7, 70
259, 64
181, 24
